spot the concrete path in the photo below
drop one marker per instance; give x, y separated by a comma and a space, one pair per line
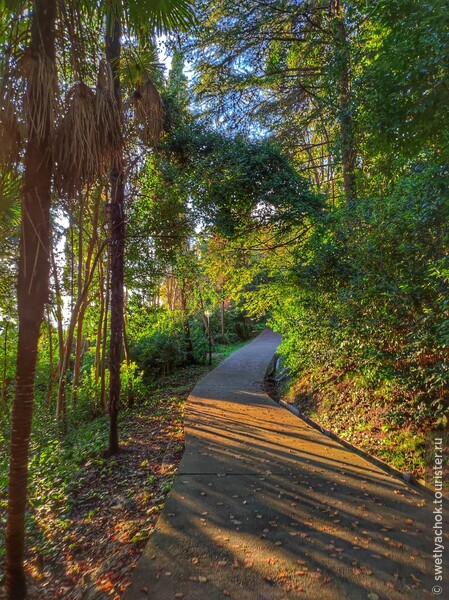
265, 507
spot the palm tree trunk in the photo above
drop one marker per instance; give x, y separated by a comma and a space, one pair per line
32, 294
117, 244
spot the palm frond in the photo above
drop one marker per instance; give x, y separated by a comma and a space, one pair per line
79, 148
159, 16
10, 138
10, 184
40, 98
149, 113
139, 65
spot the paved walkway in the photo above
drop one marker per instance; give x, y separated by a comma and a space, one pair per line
265, 507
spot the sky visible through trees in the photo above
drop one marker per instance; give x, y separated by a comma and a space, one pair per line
289, 168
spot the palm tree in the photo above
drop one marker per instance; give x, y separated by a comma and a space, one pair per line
32, 289
74, 167
144, 20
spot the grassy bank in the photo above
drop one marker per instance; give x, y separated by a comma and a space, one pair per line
389, 424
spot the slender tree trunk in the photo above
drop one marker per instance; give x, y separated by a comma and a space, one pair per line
65, 360
51, 374
79, 330
117, 245
100, 323
87, 273
129, 391
59, 317
105, 334
5, 365
56, 370
222, 322
72, 265
32, 290
79, 346
187, 334
348, 150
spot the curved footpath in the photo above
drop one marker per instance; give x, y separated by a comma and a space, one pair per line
264, 507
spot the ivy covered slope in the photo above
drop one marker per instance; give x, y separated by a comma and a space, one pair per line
366, 333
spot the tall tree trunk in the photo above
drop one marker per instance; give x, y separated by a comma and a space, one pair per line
99, 337
80, 341
105, 333
186, 324
129, 391
348, 151
65, 358
58, 303
52, 371
117, 243
79, 346
5, 365
32, 288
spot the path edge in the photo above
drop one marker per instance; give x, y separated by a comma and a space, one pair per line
408, 478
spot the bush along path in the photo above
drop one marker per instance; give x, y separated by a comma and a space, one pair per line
265, 507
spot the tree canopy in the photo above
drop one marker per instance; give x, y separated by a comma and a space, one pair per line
289, 168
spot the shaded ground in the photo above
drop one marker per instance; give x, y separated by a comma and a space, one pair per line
264, 507
91, 548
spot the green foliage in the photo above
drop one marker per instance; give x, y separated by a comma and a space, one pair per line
405, 83
133, 388
160, 346
88, 404
235, 181
160, 353
200, 341
368, 290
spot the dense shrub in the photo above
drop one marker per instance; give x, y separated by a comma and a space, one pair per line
159, 353
369, 290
